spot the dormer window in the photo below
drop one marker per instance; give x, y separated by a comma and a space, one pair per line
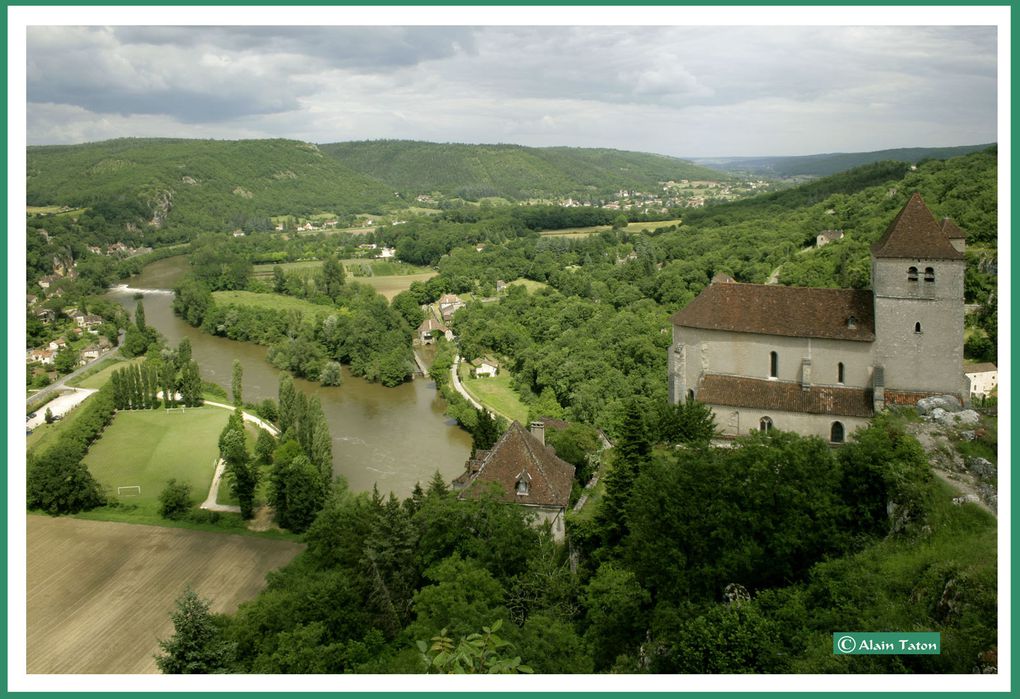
851, 323
929, 274
522, 487
912, 274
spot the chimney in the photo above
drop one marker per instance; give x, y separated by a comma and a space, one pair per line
538, 431
805, 374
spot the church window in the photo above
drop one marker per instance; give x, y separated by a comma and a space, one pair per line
851, 322
522, 487
929, 274
690, 394
836, 434
917, 328
773, 365
765, 424
840, 373
912, 274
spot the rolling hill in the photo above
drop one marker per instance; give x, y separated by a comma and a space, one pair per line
510, 171
830, 163
200, 183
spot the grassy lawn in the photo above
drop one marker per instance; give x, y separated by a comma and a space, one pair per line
148, 447
496, 394
44, 436
276, 302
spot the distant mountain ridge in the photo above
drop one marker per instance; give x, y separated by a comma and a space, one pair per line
515, 172
824, 164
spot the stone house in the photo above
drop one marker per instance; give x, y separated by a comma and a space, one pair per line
430, 329
448, 305
43, 356
984, 378
826, 237
487, 368
824, 361
521, 469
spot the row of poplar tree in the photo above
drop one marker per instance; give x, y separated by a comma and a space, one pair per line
156, 384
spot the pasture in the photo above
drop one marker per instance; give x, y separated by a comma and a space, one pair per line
589, 230
276, 302
146, 448
100, 593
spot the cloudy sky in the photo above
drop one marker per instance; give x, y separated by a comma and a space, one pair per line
686, 91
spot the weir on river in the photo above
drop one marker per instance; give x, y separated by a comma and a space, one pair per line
389, 437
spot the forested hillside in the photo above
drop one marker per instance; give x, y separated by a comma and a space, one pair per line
197, 184
830, 163
515, 172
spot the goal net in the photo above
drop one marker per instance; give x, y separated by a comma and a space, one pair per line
129, 490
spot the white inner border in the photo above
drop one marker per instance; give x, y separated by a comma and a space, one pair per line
20, 17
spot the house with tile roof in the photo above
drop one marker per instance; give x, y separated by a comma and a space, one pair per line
430, 329
824, 361
984, 379
521, 469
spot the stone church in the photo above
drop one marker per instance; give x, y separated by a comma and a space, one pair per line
824, 361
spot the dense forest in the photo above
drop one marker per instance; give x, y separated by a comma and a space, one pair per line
513, 172
697, 560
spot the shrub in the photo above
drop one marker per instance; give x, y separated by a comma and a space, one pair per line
175, 500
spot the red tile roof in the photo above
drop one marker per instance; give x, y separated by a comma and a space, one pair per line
915, 234
518, 455
763, 394
782, 310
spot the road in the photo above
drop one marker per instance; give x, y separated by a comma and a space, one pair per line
60, 405
59, 384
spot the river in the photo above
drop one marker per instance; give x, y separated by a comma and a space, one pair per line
388, 437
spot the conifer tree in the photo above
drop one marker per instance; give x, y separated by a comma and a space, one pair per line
236, 375
140, 316
288, 403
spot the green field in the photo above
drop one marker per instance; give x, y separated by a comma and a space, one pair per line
276, 302
143, 448
353, 267
495, 394
589, 230
103, 371
530, 284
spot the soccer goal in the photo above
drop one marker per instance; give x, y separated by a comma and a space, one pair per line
179, 408
129, 490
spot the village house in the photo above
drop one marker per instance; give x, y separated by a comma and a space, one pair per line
824, 361
387, 253
48, 280
448, 305
521, 469
826, 237
430, 329
984, 378
486, 368
46, 315
58, 344
43, 356
90, 353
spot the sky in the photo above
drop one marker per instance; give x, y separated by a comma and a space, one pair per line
677, 90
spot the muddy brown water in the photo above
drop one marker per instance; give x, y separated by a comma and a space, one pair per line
388, 437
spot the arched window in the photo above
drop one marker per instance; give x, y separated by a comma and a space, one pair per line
840, 373
522, 487
836, 434
851, 322
765, 424
690, 394
929, 274
773, 365
912, 274
917, 327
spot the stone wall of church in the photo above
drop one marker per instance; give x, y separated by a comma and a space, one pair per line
746, 354
736, 422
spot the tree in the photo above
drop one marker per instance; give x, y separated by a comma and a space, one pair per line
197, 646
183, 353
331, 374
236, 374
49, 417
241, 470
689, 422
66, 360
175, 499
486, 431
288, 404
279, 279
304, 491
264, 447
59, 483
332, 277
477, 653
616, 605
140, 316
